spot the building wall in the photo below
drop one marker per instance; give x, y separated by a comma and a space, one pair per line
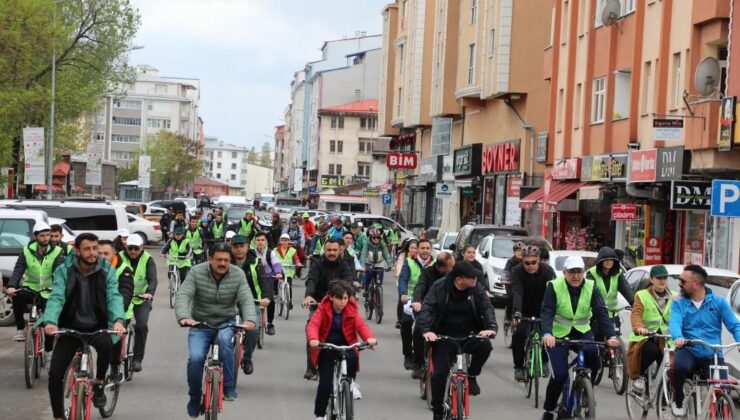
387, 72
350, 135
259, 180
232, 161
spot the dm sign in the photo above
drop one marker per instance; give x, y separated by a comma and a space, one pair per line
691, 195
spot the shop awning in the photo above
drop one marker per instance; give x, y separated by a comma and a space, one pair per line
41, 187
559, 191
343, 199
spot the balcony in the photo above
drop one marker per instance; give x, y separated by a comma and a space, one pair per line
547, 63
702, 132
707, 10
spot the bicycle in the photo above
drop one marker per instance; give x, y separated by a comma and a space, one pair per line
457, 392
425, 378
533, 360
578, 399
717, 402
658, 391
212, 402
173, 277
127, 347
284, 298
615, 359
78, 386
507, 322
340, 401
33, 346
262, 325
239, 341
374, 299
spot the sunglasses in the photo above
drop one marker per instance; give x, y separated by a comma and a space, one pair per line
530, 262
574, 271
133, 248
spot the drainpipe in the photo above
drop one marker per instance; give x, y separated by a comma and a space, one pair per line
632, 191
529, 128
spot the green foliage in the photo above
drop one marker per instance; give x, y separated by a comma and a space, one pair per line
266, 157
174, 161
91, 39
253, 157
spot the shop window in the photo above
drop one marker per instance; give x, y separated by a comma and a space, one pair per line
695, 236
635, 237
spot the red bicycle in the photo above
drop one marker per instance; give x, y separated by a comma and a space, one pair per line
262, 324
457, 392
239, 337
33, 348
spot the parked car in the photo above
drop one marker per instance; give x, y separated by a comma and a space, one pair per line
266, 201
149, 231
233, 215
472, 234
492, 253
153, 207
148, 212
443, 244
557, 259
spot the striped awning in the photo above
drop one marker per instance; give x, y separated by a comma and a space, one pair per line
559, 191
343, 199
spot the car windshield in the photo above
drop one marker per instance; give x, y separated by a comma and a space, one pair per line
190, 202
234, 213
449, 240
502, 248
478, 234
560, 260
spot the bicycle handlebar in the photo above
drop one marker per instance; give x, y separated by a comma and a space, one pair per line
206, 325
652, 334
712, 346
85, 336
460, 339
358, 346
568, 341
31, 292
531, 319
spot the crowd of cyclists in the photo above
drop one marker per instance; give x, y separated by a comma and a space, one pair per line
230, 277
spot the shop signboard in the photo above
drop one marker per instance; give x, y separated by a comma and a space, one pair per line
513, 212
567, 169
467, 160
610, 168
670, 164
643, 165
371, 192
401, 160
726, 124
444, 190
542, 137
501, 157
467, 191
586, 166
653, 251
725, 198
668, 129
329, 181
34, 170
691, 195
624, 212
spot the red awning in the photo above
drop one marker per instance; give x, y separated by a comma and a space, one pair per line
44, 188
559, 191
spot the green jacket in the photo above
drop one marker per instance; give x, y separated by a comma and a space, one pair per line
202, 299
69, 271
375, 253
361, 241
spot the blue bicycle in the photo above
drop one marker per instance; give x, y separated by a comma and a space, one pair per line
578, 401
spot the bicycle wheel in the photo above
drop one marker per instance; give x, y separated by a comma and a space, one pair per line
212, 413
281, 299
128, 362
345, 401
369, 303
724, 408
619, 368
585, 407
636, 408
688, 401
378, 303
111, 390
288, 298
507, 334
600, 373
529, 366
29, 357
261, 339
663, 405
172, 283
69, 385
238, 353
428, 382
458, 411
80, 408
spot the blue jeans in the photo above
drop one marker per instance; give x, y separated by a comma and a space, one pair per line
251, 337
684, 365
370, 274
558, 356
199, 342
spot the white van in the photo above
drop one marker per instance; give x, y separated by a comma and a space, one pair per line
103, 218
232, 200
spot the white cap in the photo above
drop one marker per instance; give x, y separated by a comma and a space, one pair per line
230, 234
135, 240
123, 232
574, 261
284, 236
40, 227
359, 224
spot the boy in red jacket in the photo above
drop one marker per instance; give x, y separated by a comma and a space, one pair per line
337, 321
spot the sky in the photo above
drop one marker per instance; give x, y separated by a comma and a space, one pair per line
245, 53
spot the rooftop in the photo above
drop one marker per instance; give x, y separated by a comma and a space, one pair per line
367, 106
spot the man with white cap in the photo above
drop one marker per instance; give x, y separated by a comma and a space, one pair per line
33, 270
567, 308
229, 235
145, 284
121, 237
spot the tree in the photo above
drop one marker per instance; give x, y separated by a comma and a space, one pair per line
174, 161
253, 158
91, 39
266, 158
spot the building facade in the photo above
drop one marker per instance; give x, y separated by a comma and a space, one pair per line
281, 162
226, 163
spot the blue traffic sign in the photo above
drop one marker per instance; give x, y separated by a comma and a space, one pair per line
387, 199
725, 198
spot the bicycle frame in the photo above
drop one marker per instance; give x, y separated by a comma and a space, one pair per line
340, 371
656, 381
534, 341
577, 369
460, 371
715, 385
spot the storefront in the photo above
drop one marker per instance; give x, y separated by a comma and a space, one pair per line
500, 172
343, 203
466, 168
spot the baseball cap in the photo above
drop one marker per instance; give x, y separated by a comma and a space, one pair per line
40, 227
658, 271
180, 230
464, 269
250, 211
230, 234
355, 225
574, 261
284, 236
123, 232
135, 240
306, 215
239, 239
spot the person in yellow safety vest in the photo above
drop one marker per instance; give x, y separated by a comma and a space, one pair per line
179, 252
610, 282
261, 287
218, 228
394, 237
145, 285
125, 278
288, 256
196, 241
650, 314
569, 304
246, 225
410, 273
33, 269
56, 238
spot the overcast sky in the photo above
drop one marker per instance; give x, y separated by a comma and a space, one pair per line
245, 52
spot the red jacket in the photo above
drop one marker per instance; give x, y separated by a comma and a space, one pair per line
352, 325
309, 229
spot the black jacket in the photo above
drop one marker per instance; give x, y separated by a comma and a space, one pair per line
529, 289
151, 275
606, 253
322, 272
265, 283
126, 286
433, 311
427, 278
273, 237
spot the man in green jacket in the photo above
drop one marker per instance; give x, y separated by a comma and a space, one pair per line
85, 298
213, 293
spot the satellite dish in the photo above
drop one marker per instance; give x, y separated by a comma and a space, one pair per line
610, 12
706, 77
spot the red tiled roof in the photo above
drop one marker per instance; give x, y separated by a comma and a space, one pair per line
205, 182
369, 106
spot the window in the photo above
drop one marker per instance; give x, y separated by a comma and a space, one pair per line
243, 182
473, 11
676, 91
218, 165
122, 156
577, 106
622, 89
158, 123
160, 89
560, 113
400, 58
398, 105
233, 155
233, 166
599, 99
366, 146
341, 121
340, 146
84, 218
339, 169
120, 138
564, 23
471, 64
127, 120
14, 235
646, 98
127, 103
492, 43
98, 136
628, 6
218, 176
331, 169
363, 169
233, 177
219, 154
159, 106
332, 146
597, 13
333, 122
441, 133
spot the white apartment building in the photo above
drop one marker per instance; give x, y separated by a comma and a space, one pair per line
153, 103
225, 163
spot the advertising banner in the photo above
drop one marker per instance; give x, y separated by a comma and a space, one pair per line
145, 166
34, 172
94, 166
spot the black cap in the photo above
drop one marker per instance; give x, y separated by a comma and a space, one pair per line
464, 269
355, 225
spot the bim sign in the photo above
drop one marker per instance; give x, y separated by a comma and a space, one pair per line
401, 161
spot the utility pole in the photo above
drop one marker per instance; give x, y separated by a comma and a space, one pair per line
50, 150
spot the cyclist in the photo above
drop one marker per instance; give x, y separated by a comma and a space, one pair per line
193, 236
316, 247
33, 269
394, 237
309, 227
428, 277
350, 258
179, 246
323, 270
228, 237
145, 284
650, 314
374, 255
213, 293
361, 239
84, 298
178, 221
276, 229
164, 223
337, 228
205, 235
297, 236
568, 306
337, 321
125, 277
56, 239
218, 228
609, 280
246, 225
409, 248
697, 314
510, 264
271, 267
455, 307
528, 284
410, 274
288, 256
119, 242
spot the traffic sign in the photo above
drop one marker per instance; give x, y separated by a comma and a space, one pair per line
725, 198
387, 199
444, 190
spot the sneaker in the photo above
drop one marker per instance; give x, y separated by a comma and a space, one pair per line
356, 394
548, 415
408, 363
290, 305
473, 384
47, 357
98, 398
136, 366
247, 366
115, 374
678, 411
520, 374
398, 325
20, 335
638, 385
230, 395
416, 372
270, 329
194, 408
310, 374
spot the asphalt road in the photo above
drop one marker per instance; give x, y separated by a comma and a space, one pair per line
277, 389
